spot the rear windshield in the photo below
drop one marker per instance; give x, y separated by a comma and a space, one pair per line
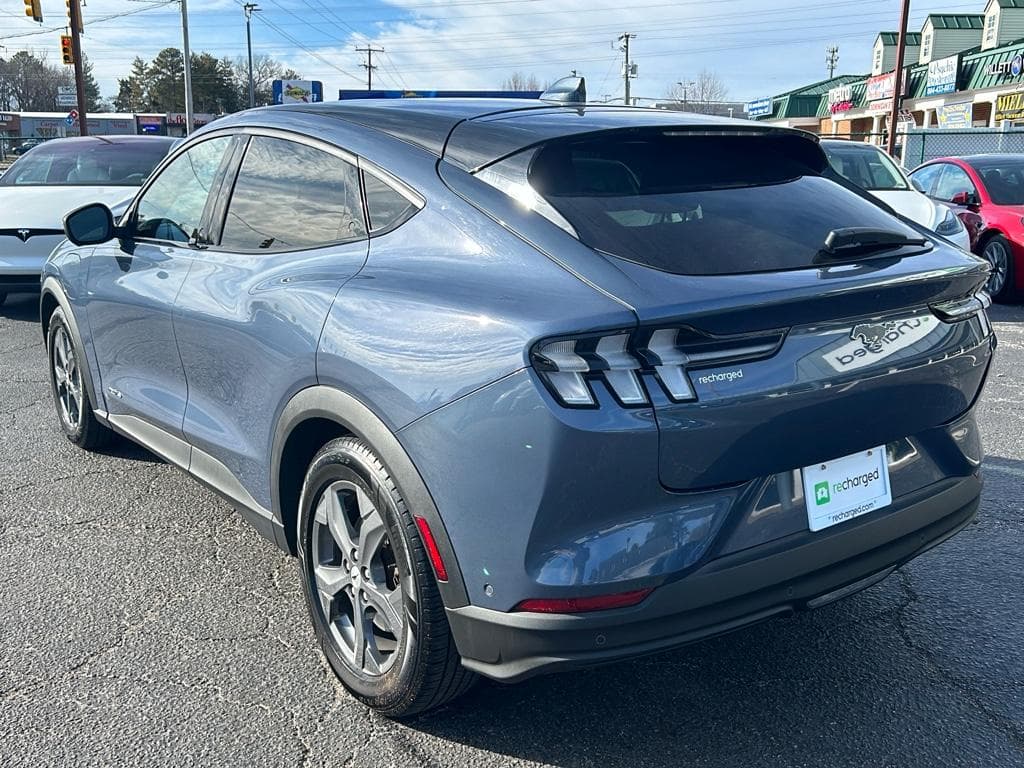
701, 204
91, 163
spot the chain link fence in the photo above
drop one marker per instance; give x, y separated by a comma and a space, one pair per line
920, 146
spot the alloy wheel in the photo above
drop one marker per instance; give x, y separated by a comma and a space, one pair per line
996, 255
357, 578
67, 379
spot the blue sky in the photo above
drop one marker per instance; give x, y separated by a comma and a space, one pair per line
757, 47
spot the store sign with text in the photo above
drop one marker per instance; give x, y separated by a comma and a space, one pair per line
942, 75
840, 99
1012, 67
955, 115
1010, 106
759, 107
881, 87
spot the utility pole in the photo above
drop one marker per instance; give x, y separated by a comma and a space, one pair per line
897, 85
369, 66
189, 120
75, 14
832, 60
627, 72
249, 8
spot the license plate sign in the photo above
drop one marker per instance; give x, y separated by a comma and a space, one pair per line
845, 488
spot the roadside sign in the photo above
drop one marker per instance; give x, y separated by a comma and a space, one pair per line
67, 99
73, 114
67, 90
69, 120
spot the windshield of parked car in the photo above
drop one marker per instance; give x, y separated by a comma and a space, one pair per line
1004, 180
86, 163
867, 167
694, 203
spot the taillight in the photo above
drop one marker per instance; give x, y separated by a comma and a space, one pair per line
570, 367
583, 604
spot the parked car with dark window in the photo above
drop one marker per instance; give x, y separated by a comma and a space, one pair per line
987, 193
874, 171
530, 387
53, 178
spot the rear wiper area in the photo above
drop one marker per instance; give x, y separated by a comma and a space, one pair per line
847, 242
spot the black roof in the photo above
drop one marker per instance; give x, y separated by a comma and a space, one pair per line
474, 132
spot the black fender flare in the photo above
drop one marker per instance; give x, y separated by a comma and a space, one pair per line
349, 413
51, 288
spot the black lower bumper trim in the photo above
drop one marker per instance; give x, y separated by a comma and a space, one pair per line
797, 573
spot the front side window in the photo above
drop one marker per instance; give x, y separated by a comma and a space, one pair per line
953, 181
172, 208
926, 177
290, 195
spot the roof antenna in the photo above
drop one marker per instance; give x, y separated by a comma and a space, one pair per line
568, 90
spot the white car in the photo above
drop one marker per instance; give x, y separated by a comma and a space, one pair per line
873, 170
54, 178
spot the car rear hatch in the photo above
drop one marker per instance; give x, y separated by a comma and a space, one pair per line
784, 317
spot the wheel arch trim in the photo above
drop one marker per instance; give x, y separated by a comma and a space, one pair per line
52, 288
349, 413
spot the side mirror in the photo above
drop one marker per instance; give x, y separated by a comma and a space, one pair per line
966, 199
90, 225
918, 185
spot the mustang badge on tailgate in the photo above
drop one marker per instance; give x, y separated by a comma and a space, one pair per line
872, 334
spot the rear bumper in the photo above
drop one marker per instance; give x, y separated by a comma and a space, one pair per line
801, 571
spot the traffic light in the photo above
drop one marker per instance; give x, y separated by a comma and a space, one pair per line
32, 9
67, 52
70, 17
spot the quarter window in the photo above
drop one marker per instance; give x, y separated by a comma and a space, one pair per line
290, 195
386, 206
172, 207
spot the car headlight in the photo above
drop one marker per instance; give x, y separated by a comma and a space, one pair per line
950, 224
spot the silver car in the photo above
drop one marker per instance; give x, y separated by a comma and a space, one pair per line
54, 178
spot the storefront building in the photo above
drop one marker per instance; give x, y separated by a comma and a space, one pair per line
964, 71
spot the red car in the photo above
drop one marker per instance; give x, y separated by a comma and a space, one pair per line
987, 193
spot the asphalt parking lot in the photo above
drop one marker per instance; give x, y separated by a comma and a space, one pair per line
143, 622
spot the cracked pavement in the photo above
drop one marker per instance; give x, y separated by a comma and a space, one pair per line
144, 622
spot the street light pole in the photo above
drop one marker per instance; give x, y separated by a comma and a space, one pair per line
188, 68
249, 8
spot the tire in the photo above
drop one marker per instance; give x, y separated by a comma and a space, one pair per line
999, 254
406, 662
70, 396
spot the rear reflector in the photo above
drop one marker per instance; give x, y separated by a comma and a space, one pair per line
583, 604
432, 551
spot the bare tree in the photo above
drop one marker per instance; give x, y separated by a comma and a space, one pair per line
701, 93
518, 81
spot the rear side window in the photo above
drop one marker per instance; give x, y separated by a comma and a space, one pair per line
701, 204
290, 195
386, 207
